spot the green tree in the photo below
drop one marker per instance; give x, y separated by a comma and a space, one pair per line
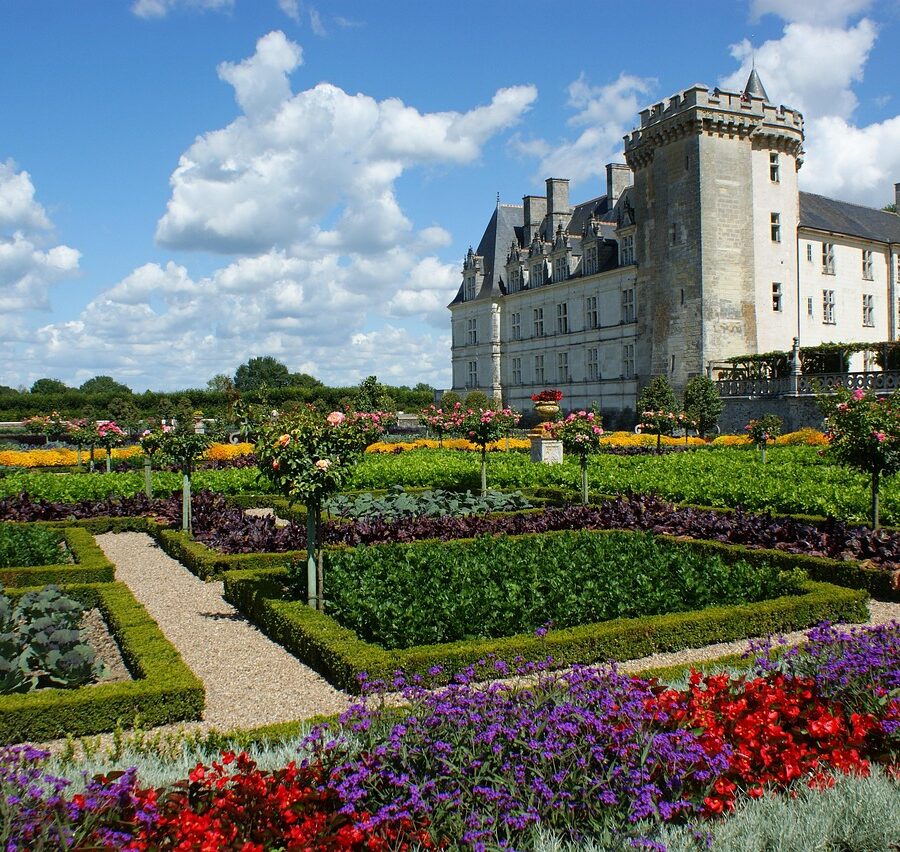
49, 386
304, 380
449, 399
702, 403
125, 413
477, 400
890, 208
264, 371
657, 409
371, 395
220, 383
104, 384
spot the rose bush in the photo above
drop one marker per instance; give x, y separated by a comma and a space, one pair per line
581, 433
483, 427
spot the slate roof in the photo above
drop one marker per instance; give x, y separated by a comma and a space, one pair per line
853, 220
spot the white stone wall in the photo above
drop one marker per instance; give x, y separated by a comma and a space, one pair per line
848, 285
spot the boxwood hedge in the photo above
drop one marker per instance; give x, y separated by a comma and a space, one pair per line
164, 690
341, 656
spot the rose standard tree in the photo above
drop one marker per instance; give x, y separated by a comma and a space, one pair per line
182, 447
308, 458
864, 433
581, 434
440, 422
484, 426
762, 430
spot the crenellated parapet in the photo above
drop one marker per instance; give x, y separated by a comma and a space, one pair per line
698, 110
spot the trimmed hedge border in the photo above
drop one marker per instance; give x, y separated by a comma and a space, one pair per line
164, 689
90, 566
341, 656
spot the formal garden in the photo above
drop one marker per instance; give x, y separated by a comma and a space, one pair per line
326, 636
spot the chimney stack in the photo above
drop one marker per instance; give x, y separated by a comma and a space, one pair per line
535, 208
558, 210
618, 178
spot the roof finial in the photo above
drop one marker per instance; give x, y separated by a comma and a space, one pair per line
498, 199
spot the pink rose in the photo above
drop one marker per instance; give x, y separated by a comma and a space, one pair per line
335, 418
324, 464
859, 393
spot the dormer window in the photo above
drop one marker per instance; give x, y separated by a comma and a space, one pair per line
469, 289
626, 250
537, 274
589, 262
560, 269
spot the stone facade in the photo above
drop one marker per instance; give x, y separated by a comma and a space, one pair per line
701, 249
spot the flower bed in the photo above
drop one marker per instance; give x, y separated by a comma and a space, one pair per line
587, 755
163, 690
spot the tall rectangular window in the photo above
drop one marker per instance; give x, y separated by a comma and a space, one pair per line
776, 296
517, 371
537, 275
867, 265
868, 305
626, 250
776, 227
828, 307
628, 305
774, 174
809, 252
538, 318
828, 258
628, 361
809, 306
471, 332
562, 367
562, 318
515, 325
560, 269
539, 369
592, 365
591, 315
515, 281
472, 375
589, 264
469, 293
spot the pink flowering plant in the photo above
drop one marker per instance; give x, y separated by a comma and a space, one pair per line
864, 433
484, 426
308, 457
762, 430
440, 422
109, 435
581, 434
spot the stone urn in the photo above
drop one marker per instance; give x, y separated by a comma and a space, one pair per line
546, 411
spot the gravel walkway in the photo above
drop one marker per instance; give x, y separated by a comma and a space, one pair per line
249, 679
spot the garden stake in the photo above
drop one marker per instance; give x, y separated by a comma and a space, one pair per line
320, 586
186, 503
108, 460
312, 510
148, 480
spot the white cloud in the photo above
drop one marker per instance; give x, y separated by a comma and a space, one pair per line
605, 113
823, 12
292, 162
814, 67
27, 267
18, 209
316, 24
161, 8
291, 8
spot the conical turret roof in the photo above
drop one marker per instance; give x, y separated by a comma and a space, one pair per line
754, 87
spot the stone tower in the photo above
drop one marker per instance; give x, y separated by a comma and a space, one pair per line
716, 206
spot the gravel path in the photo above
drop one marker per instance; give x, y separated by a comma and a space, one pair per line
249, 679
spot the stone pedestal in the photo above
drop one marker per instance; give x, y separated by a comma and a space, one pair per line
546, 450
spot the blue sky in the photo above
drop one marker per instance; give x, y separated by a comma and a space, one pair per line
185, 184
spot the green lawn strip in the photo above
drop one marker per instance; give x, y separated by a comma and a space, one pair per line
339, 655
90, 565
164, 689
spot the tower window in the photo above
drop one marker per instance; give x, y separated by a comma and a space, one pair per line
828, 307
471, 332
776, 227
828, 258
472, 376
626, 250
628, 305
469, 293
868, 306
867, 265
774, 174
776, 296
